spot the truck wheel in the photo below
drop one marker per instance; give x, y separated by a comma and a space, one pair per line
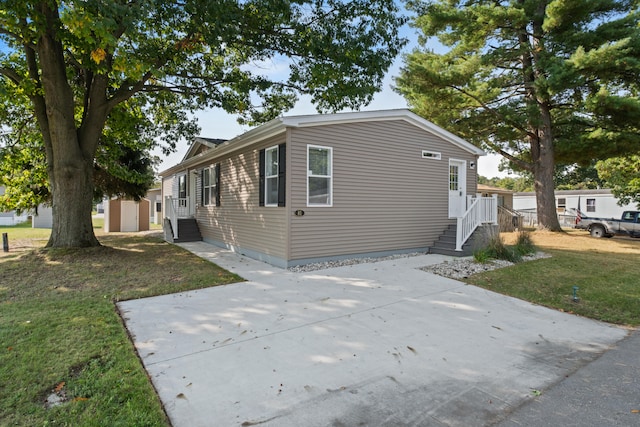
597, 231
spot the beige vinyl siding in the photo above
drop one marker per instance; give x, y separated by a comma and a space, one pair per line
386, 197
239, 221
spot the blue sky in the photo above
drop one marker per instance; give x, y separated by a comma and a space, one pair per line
219, 124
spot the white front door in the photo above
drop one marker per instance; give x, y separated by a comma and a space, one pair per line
457, 188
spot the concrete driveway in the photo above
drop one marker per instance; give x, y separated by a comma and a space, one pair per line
378, 344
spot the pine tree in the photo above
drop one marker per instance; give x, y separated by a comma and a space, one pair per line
537, 81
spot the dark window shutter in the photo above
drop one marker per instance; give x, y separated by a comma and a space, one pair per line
202, 187
261, 171
217, 178
282, 173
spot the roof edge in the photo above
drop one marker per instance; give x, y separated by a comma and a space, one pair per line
279, 125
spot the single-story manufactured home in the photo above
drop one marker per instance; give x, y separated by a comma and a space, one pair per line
304, 189
596, 203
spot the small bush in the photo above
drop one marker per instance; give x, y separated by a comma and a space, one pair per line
498, 250
482, 256
524, 243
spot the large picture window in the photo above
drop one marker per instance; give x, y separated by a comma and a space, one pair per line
211, 186
319, 176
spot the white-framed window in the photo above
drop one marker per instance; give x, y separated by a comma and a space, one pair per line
561, 204
591, 205
271, 176
319, 175
431, 155
272, 166
210, 186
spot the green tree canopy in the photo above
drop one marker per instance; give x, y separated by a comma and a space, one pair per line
77, 67
622, 175
540, 82
123, 165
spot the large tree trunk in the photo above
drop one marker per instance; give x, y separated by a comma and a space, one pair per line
543, 168
72, 191
69, 157
540, 133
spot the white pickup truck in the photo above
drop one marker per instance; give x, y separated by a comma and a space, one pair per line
628, 225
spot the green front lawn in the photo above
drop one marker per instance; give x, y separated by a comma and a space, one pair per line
60, 331
606, 271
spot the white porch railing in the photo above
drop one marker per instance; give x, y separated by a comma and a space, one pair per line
176, 208
480, 210
171, 214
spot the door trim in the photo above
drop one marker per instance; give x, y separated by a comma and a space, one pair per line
457, 203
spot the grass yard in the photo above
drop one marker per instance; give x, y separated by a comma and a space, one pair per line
60, 332
606, 271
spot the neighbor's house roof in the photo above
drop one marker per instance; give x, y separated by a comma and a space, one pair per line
568, 192
490, 189
280, 125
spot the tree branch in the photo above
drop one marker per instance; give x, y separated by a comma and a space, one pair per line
39, 104
11, 74
524, 165
490, 109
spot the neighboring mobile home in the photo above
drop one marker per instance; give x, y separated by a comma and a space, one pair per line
596, 203
311, 188
42, 217
11, 218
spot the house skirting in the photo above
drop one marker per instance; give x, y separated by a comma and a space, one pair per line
251, 253
283, 263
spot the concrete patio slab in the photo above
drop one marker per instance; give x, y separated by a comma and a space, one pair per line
377, 344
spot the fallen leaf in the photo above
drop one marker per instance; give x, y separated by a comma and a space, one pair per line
59, 387
80, 399
181, 396
635, 411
